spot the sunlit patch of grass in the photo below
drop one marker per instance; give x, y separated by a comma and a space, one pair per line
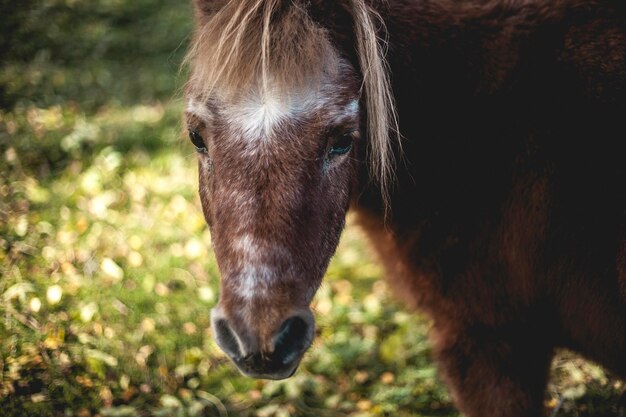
109, 279
107, 270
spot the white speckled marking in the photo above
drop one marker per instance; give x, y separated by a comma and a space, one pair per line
254, 281
198, 109
256, 116
246, 247
353, 108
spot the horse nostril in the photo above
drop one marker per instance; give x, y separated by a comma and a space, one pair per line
294, 336
226, 338
242, 344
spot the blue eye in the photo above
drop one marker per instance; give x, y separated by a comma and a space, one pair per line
342, 145
197, 141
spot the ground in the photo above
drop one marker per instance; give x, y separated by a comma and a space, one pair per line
106, 263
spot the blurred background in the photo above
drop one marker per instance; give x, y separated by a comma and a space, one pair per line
107, 274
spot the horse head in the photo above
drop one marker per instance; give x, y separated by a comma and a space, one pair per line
274, 109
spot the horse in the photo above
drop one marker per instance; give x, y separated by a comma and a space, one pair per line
479, 144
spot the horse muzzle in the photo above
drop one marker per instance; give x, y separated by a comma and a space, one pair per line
280, 360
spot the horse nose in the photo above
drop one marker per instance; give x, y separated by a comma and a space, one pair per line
288, 344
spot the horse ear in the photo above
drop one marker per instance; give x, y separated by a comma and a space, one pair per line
204, 9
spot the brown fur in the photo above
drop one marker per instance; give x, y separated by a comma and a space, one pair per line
507, 220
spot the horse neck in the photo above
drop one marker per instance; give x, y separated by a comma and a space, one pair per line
450, 113
488, 96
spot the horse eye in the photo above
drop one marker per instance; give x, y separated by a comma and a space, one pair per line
342, 145
197, 141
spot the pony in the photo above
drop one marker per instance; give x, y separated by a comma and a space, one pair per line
481, 146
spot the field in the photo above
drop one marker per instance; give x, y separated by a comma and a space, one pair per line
107, 273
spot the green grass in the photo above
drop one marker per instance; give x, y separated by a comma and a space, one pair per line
106, 263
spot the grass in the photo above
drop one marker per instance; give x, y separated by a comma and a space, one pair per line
106, 264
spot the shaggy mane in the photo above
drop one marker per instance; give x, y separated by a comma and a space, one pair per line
251, 40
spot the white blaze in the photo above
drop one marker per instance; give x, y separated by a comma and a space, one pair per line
257, 275
256, 116
255, 280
